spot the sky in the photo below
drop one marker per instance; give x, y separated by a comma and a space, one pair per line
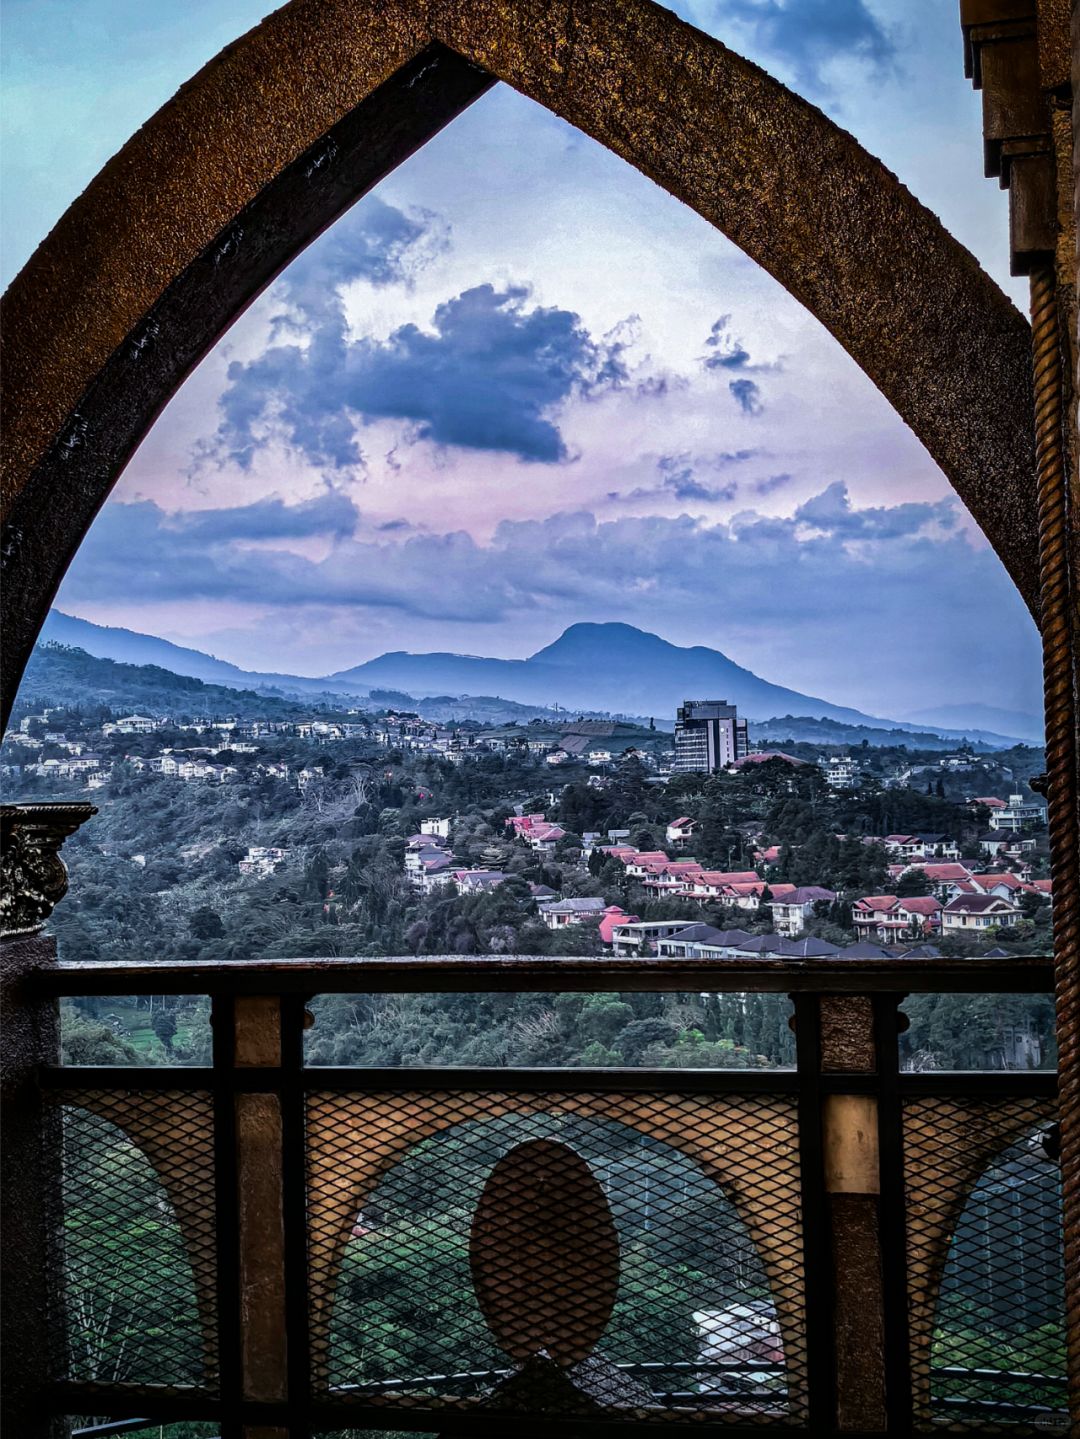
519, 386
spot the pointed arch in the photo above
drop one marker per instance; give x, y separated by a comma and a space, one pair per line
292, 123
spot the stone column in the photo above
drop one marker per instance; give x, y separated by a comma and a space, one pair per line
32, 880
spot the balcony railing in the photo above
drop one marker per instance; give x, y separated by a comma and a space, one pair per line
288, 1250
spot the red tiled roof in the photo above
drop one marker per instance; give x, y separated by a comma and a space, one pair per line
873, 902
776, 890
730, 876
920, 904
987, 881
612, 916
941, 872
989, 800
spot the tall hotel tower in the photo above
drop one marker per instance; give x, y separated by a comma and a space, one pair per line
708, 735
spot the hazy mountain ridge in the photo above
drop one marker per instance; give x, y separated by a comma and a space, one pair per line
607, 668
979, 716
68, 676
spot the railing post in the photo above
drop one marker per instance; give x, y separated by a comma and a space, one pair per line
261, 1202
260, 1217
856, 1147
32, 880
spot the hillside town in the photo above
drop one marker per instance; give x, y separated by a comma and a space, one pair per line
648, 884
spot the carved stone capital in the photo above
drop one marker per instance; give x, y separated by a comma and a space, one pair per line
33, 877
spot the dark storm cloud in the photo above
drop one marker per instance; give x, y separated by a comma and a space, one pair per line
810, 33
489, 374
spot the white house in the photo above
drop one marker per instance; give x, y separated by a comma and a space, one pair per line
680, 830
1019, 813
840, 772
627, 938
561, 912
791, 911
261, 860
969, 913
131, 724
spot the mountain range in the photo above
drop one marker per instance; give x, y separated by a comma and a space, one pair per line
611, 668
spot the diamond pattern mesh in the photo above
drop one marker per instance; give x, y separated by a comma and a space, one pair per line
985, 1265
138, 1239
436, 1284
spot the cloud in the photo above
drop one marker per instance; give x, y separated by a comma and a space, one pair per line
772, 483
728, 353
793, 596
796, 569
490, 373
831, 513
331, 514
748, 395
375, 242
809, 34
678, 478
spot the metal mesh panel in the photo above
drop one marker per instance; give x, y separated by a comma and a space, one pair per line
138, 1239
144, 1429
374, 1434
985, 1265
570, 1252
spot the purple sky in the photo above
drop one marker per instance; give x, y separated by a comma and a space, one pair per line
519, 386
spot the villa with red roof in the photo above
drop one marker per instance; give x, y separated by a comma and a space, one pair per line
679, 831
892, 919
614, 914
521, 824
749, 896
943, 878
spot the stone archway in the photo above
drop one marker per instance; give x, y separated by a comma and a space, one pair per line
288, 126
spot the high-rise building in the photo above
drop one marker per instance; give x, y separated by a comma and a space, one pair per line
708, 735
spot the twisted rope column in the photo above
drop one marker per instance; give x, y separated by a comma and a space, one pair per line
1061, 742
